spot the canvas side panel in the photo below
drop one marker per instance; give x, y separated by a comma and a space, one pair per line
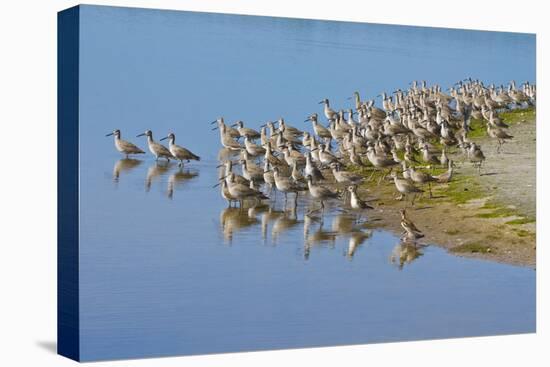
67, 183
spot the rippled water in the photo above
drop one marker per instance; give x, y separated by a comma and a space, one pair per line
167, 268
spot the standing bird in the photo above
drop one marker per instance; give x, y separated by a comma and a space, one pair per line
286, 184
499, 134
422, 178
355, 202
157, 149
411, 232
312, 170
330, 114
320, 193
123, 146
246, 131
180, 153
405, 187
241, 192
476, 156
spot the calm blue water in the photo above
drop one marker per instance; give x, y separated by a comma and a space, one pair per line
166, 269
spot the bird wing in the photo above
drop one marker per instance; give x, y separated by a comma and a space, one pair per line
129, 147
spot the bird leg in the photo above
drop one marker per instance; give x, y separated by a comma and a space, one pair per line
430, 189
399, 198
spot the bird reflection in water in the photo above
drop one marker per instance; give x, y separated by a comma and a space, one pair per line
123, 166
178, 178
405, 252
283, 223
156, 170
356, 239
233, 220
315, 235
268, 216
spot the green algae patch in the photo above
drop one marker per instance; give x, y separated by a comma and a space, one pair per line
519, 115
520, 221
472, 248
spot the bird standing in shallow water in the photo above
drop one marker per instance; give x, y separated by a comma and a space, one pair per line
320, 193
157, 149
179, 153
411, 232
124, 146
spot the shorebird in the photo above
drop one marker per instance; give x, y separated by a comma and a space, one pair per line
241, 192
319, 129
428, 156
312, 170
226, 136
476, 156
319, 192
411, 232
157, 149
499, 134
422, 178
329, 112
296, 174
251, 173
325, 157
345, 177
229, 170
246, 132
286, 184
447, 175
405, 187
268, 175
232, 132
179, 153
355, 202
379, 162
253, 149
123, 146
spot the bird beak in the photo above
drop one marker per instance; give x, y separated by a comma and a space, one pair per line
214, 128
264, 125
164, 138
109, 134
220, 182
321, 102
314, 149
233, 125
142, 134
306, 120
213, 122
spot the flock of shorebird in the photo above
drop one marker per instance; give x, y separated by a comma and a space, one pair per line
414, 131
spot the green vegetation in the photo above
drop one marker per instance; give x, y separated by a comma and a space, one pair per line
463, 189
479, 129
471, 248
519, 115
519, 221
524, 233
497, 213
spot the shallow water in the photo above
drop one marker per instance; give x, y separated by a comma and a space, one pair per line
167, 268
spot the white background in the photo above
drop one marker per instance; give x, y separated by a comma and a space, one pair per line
28, 182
